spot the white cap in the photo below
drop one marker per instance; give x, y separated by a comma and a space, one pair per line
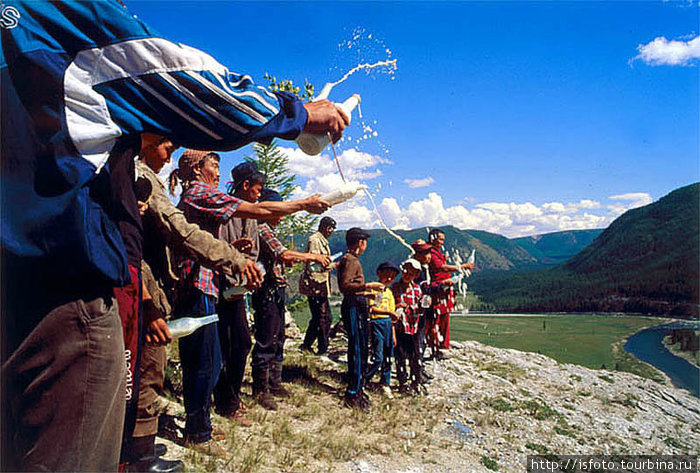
411, 262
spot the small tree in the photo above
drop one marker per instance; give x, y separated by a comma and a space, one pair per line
287, 85
272, 162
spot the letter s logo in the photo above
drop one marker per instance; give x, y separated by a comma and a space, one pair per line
9, 17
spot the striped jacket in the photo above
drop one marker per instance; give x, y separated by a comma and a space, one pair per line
75, 78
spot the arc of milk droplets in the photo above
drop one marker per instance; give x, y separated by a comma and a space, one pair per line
374, 205
384, 225
367, 131
391, 63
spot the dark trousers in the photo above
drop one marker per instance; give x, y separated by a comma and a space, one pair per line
382, 349
407, 351
320, 323
152, 370
428, 317
268, 306
63, 386
354, 312
268, 352
234, 336
200, 355
129, 304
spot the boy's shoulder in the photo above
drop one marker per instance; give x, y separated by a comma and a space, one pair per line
348, 257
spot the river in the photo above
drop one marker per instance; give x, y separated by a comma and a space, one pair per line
647, 345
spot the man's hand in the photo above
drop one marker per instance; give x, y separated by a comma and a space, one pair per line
244, 245
252, 275
314, 204
158, 333
143, 207
374, 286
323, 260
325, 117
448, 282
469, 266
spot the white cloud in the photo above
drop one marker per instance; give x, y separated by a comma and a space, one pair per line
570, 207
662, 52
416, 183
628, 201
320, 173
511, 219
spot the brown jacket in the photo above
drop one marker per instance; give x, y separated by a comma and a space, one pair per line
351, 279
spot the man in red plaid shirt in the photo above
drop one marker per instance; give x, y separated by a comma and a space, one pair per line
200, 353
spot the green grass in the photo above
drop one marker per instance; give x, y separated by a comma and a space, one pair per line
303, 315
593, 341
579, 339
489, 463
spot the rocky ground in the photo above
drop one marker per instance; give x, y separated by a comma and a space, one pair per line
487, 409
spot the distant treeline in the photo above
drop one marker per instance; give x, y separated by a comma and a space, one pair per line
562, 291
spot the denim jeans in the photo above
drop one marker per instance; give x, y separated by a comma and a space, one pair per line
382, 349
200, 355
407, 350
268, 304
354, 313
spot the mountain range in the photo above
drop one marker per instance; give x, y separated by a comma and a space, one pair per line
646, 261
494, 252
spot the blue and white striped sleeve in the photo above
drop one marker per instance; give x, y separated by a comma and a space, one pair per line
151, 84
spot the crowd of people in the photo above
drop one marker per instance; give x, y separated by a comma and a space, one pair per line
86, 89
383, 318
95, 256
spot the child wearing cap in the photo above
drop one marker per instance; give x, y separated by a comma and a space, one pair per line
354, 311
382, 313
408, 294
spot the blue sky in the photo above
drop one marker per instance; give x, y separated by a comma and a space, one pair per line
512, 117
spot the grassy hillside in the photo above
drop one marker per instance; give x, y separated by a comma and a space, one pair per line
646, 261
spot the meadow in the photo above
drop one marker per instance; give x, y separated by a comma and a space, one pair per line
590, 340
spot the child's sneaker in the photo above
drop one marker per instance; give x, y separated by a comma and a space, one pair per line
386, 390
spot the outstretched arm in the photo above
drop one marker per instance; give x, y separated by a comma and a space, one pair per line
269, 209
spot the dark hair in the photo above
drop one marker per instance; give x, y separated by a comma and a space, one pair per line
352, 239
326, 222
256, 177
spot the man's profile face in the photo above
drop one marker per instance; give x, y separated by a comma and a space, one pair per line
439, 240
208, 172
250, 192
156, 155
